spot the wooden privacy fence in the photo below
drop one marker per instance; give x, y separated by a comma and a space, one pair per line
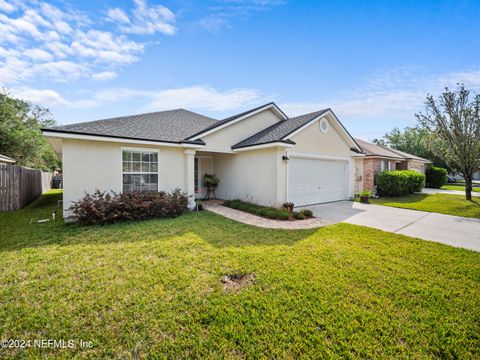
19, 186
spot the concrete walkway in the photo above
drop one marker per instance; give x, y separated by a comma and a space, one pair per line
441, 191
246, 218
446, 229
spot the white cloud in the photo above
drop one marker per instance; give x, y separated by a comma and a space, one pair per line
202, 97
144, 19
104, 75
393, 94
194, 97
44, 97
227, 10
50, 42
118, 15
38, 55
6, 7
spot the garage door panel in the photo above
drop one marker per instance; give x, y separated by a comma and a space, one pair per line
312, 181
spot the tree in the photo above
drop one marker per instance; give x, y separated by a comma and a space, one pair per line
417, 141
455, 118
20, 135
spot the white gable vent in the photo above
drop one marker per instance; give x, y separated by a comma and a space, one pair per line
323, 124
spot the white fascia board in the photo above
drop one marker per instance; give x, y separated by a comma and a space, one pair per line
340, 126
354, 154
317, 157
266, 107
264, 146
60, 135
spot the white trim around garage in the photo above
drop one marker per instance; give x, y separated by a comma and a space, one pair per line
55, 134
348, 169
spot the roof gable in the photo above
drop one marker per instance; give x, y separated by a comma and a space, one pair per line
238, 117
284, 130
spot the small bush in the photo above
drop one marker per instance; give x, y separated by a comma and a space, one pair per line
264, 211
271, 213
436, 177
399, 182
283, 215
104, 208
307, 213
298, 215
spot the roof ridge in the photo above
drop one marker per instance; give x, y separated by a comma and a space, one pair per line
131, 115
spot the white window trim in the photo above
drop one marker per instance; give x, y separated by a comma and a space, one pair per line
139, 149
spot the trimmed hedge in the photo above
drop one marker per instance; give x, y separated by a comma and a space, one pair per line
399, 182
436, 177
265, 211
104, 208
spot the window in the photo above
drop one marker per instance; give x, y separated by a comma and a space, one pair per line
385, 165
140, 170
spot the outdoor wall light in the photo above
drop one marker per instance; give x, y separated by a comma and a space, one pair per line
285, 158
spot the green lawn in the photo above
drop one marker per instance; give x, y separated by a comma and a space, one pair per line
439, 203
153, 288
459, 188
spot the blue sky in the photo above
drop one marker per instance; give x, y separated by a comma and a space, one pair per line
372, 62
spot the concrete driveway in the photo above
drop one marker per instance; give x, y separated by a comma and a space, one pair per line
446, 229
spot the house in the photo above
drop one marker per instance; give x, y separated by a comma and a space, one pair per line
379, 158
259, 155
5, 160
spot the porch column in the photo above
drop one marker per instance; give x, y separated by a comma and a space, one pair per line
190, 176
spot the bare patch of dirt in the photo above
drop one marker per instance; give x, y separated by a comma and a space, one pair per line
234, 282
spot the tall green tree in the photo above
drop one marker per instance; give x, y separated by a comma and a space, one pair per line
20, 135
455, 118
417, 141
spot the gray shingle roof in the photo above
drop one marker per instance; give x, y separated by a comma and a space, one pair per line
278, 131
385, 151
166, 126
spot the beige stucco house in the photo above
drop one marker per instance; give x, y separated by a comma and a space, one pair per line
260, 155
379, 158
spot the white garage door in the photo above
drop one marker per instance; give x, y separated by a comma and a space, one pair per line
312, 181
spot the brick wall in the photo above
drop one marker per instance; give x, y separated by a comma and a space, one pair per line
370, 168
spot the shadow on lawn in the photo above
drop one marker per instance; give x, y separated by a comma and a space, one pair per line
18, 233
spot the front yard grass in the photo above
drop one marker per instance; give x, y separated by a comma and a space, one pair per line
459, 187
153, 289
439, 203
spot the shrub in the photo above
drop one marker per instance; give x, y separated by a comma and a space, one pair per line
436, 177
264, 211
104, 208
283, 215
271, 213
399, 182
298, 215
307, 213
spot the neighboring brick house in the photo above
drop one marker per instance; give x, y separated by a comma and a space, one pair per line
380, 158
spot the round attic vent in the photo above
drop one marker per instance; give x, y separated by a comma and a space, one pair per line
323, 124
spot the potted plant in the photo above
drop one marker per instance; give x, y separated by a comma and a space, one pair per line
210, 181
364, 196
198, 203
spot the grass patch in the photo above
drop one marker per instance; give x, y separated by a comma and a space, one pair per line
157, 289
460, 188
439, 203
